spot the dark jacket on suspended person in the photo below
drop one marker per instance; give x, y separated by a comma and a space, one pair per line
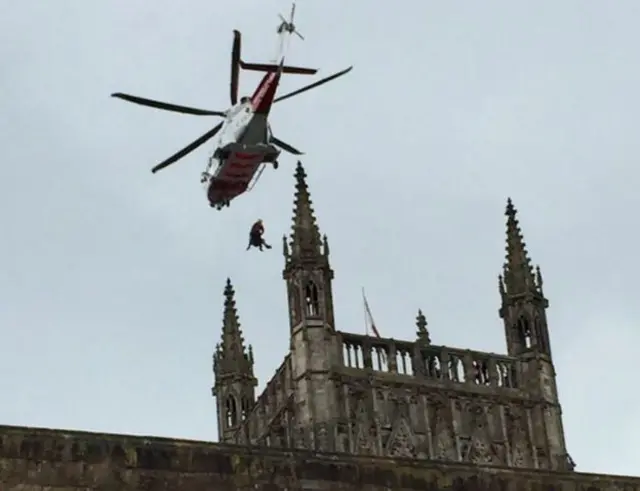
255, 236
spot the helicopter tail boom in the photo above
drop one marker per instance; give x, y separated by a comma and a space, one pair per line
269, 67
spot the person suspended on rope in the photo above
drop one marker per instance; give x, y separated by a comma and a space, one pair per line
255, 236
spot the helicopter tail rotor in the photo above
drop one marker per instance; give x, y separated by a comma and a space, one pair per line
288, 25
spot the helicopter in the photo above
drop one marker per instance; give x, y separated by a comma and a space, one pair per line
246, 143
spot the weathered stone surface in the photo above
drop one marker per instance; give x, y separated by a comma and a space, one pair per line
38, 459
337, 391
403, 415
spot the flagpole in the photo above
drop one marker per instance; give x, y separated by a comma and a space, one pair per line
369, 320
364, 308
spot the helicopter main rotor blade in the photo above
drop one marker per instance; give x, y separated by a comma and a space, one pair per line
313, 85
166, 106
189, 148
235, 66
285, 146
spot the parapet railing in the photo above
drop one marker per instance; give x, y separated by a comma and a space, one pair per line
437, 363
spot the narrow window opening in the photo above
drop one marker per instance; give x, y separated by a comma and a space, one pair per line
432, 366
352, 355
358, 356
456, 369
524, 333
403, 362
481, 372
380, 358
246, 406
346, 354
311, 299
231, 412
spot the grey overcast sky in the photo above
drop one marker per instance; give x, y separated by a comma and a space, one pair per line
111, 279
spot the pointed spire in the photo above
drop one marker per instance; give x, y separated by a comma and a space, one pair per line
305, 236
422, 334
231, 355
518, 276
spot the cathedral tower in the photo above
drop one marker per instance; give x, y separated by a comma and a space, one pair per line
523, 302
314, 348
307, 270
235, 383
523, 311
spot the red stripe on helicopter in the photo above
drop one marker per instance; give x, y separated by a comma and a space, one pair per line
264, 94
245, 156
240, 168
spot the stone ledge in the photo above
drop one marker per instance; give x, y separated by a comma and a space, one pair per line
74, 459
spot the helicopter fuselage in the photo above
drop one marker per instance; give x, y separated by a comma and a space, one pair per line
239, 163
244, 145
243, 125
246, 122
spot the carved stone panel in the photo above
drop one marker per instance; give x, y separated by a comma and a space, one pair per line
342, 438
383, 409
323, 439
543, 458
518, 435
417, 414
444, 446
481, 438
362, 421
401, 442
365, 434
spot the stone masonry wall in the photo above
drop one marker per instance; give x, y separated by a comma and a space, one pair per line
55, 460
